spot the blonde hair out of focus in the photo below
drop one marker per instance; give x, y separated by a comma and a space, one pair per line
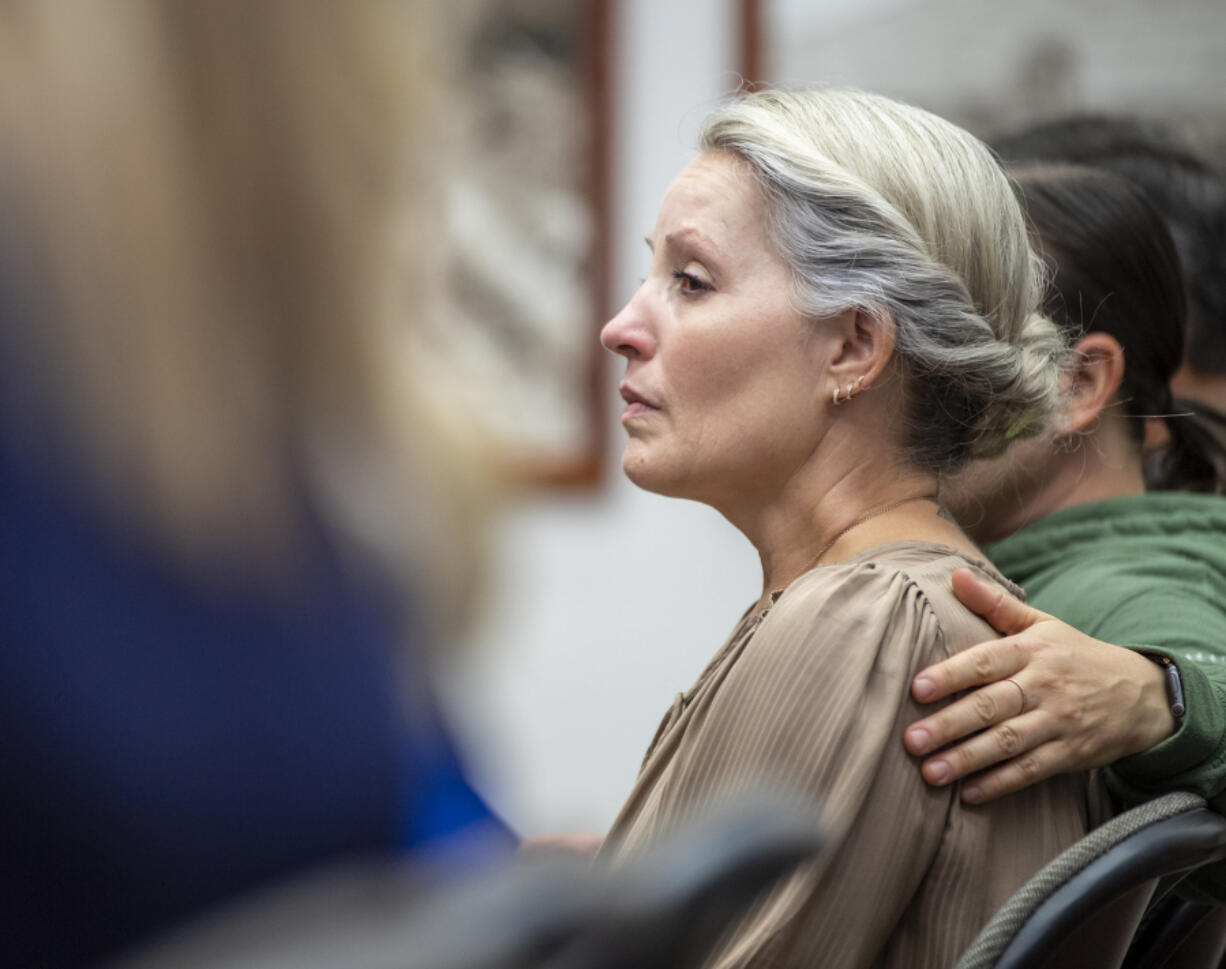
230, 209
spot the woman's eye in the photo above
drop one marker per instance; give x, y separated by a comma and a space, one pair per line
688, 282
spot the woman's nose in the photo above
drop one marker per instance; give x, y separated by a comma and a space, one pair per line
629, 333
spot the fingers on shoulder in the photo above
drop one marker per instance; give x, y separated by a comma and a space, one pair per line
1014, 737
1015, 775
984, 663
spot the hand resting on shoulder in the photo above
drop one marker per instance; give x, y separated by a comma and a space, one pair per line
1047, 700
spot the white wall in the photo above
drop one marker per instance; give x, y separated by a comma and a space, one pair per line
605, 605
997, 65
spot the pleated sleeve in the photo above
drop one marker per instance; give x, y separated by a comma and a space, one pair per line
812, 701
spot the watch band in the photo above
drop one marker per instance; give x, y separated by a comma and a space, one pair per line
1174, 686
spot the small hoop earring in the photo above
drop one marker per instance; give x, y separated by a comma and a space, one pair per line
836, 396
854, 389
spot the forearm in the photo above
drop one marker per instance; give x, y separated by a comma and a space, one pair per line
1191, 632
1194, 756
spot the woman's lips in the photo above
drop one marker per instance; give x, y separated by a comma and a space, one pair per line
636, 404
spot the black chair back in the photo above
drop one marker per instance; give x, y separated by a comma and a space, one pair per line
1083, 909
664, 910
1179, 934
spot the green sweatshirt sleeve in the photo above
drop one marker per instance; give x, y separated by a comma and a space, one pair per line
1191, 632
1194, 757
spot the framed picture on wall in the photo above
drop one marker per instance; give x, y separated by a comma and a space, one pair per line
527, 212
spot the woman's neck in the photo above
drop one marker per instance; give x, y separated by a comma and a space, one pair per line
833, 516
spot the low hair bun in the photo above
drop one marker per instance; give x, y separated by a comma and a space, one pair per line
1028, 391
971, 401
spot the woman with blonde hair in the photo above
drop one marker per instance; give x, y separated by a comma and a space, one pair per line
218, 487
842, 308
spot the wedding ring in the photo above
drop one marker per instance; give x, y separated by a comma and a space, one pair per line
1019, 690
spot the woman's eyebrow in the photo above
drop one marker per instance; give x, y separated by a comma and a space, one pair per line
689, 235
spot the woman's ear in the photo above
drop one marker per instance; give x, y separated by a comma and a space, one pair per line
866, 344
1093, 382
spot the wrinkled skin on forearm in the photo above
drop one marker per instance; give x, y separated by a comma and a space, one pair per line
1046, 699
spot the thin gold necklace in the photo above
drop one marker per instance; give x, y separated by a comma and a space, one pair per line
872, 513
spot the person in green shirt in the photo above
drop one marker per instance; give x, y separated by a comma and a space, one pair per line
1068, 516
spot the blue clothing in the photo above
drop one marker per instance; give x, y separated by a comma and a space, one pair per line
167, 747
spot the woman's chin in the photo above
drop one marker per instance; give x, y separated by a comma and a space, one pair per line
643, 471
636, 467
657, 477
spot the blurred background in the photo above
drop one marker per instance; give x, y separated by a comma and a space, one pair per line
602, 602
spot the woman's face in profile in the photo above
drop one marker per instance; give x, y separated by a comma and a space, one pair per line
725, 381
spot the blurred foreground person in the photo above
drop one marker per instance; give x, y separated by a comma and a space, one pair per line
224, 509
1069, 518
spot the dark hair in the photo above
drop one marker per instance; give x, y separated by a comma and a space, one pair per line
1114, 270
1187, 191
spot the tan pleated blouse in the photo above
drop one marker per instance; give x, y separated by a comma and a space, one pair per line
812, 695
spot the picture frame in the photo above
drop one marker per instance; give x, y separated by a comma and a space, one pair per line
528, 226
